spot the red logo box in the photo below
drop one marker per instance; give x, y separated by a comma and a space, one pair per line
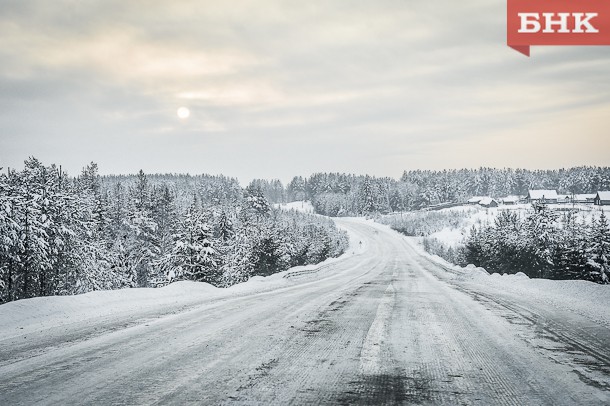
557, 22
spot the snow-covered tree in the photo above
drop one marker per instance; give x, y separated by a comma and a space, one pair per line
194, 255
598, 263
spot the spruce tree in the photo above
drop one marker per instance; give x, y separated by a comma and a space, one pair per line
598, 264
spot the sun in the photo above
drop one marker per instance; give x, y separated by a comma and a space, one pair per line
183, 113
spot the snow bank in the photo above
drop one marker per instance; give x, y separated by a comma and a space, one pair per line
585, 298
40, 313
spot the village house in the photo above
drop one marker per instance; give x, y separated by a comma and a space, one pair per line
488, 202
510, 200
602, 198
585, 198
542, 196
475, 199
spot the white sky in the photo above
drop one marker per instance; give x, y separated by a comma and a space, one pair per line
284, 88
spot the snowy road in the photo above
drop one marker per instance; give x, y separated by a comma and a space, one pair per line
387, 326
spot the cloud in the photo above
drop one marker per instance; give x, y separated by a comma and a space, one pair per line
351, 85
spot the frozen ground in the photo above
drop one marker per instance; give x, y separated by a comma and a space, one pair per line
382, 325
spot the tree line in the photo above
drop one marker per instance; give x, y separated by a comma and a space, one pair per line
62, 235
339, 194
543, 244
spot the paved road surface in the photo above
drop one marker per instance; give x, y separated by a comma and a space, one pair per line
383, 327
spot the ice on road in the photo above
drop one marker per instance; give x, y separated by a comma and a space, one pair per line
384, 326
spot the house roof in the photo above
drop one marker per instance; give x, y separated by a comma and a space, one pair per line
542, 194
486, 201
604, 195
475, 199
564, 197
585, 196
510, 199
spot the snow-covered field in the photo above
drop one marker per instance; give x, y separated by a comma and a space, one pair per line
475, 215
301, 206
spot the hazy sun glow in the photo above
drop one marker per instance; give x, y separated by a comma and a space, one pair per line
183, 112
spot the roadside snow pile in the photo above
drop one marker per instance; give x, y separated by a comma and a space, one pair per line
41, 313
470, 272
301, 206
27, 315
521, 275
518, 275
585, 298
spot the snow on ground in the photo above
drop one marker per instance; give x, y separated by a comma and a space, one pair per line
24, 316
477, 215
527, 206
302, 206
451, 237
29, 315
582, 297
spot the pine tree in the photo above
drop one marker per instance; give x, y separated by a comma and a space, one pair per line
144, 248
256, 201
598, 263
165, 216
194, 255
238, 264
366, 197
33, 249
9, 237
225, 227
266, 254
540, 231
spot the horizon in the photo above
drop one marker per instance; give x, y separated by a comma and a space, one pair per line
285, 182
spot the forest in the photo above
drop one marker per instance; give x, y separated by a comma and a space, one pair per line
544, 244
64, 235
339, 194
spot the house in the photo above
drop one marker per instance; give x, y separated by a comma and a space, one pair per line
510, 200
602, 198
542, 196
488, 202
475, 199
564, 198
585, 198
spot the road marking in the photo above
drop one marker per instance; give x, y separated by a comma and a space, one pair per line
370, 355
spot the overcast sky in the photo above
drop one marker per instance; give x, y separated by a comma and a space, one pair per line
284, 88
